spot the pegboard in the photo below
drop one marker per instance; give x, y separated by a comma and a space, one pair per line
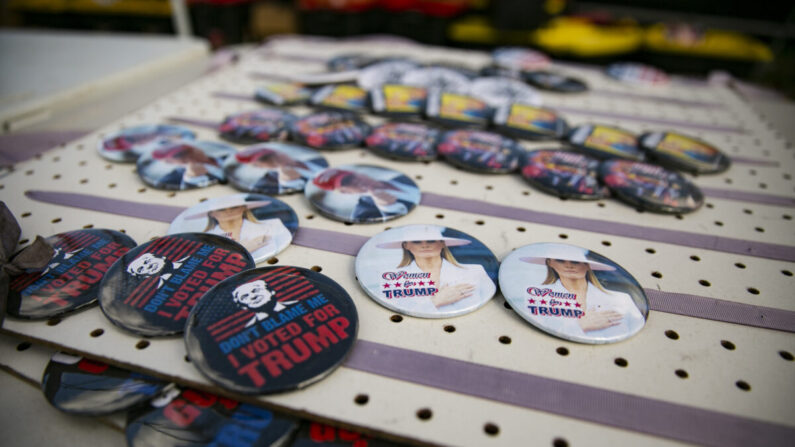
488, 378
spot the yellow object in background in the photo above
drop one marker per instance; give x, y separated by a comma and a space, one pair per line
689, 40
583, 38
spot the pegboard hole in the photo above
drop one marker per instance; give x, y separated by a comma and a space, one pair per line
396, 318
506, 305
704, 282
453, 182
449, 328
24, 241
56, 176
739, 265
600, 204
418, 177
143, 344
710, 206
521, 229
695, 258
439, 216
310, 216
562, 351
489, 187
563, 236
24, 346
786, 355
656, 274
718, 223
651, 251
424, 414
56, 220
186, 358
672, 334
347, 224
26, 214
786, 217
560, 442
29, 172
681, 373
607, 243
753, 290
361, 399
679, 217
97, 333
83, 181
316, 268
763, 186
491, 429
171, 194
729, 346
620, 361
747, 211
506, 340
525, 193
272, 261
480, 222
786, 273
54, 321
141, 190
743, 385
88, 226
759, 230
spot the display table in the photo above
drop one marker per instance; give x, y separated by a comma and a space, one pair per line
712, 366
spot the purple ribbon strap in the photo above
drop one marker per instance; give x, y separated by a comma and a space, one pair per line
349, 244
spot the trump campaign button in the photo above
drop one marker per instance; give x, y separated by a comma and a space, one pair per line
256, 126
573, 293
271, 329
427, 271
330, 130
605, 142
71, 279
404, 141
651, 187
128, 144
151, 289
566, 174
273, 168
682, 152
181, 165
480, 151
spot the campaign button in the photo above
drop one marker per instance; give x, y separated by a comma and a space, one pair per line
427, 271
565, 174
72, 278
271, 329
682, 152
183, 164
192, 418
404, 141
262, 225
330, 130
129, 144
396, 100
256, 126
458, 110
273, 168
573, 293
283, 93
651, 187
497, 91
78, 385
605, 142
526, 121
480, 151
341, 97
151, 289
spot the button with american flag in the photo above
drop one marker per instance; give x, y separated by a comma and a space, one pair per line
271, 329
151, 290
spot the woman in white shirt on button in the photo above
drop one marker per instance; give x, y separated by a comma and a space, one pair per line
461, 287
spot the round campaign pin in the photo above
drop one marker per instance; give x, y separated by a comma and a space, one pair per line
151, 289
341, 97
457, 110
569, 175
605, 142
501, 91
81, 386
262, 225
427, 271
480, 151
362, 193
330, 130
273, 168
256, 126
71, 279
271, 329
386, 72
547, 80
402, 101
651, 187
637, 74
404, 141
521, 59
573, 293
283, 93
437, 79
184, 165
192, 418
129, 144
526, 121
682, 152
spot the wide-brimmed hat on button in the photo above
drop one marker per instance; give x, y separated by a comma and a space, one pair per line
228, 202
420, 233
565, 253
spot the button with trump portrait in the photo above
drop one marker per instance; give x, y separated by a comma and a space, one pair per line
573, 293
427, 271
151, 289
273, 168
128, 144
182, 165
362, 193
271, 329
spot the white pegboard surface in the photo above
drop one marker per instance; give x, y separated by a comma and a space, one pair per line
699, 369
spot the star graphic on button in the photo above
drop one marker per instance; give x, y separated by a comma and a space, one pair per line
576, 304
430, 283
397, 284
386, 285
421, 283
543, 302
568, 304
532, 301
